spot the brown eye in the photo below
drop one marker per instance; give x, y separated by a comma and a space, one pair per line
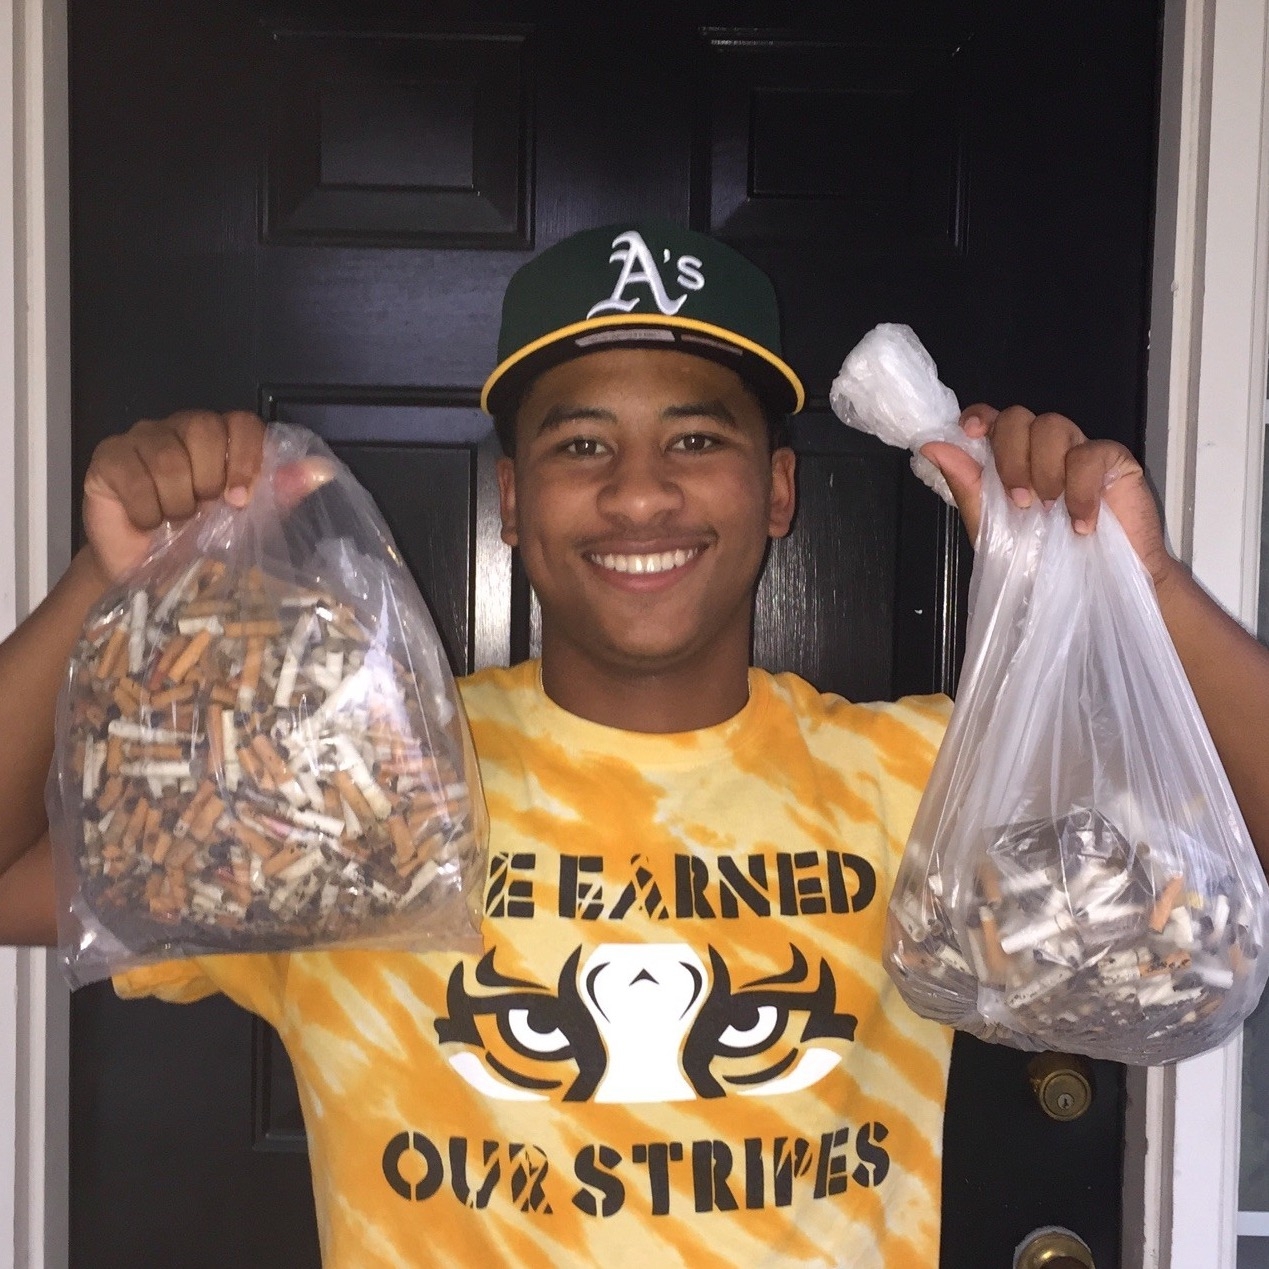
583, 447
696, 443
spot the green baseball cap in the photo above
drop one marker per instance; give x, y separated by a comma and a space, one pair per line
652, 285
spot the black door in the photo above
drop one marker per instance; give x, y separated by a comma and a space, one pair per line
313, 209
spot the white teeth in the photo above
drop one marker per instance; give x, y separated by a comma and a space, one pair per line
658, 563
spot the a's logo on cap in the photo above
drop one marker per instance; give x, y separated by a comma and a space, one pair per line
638, 265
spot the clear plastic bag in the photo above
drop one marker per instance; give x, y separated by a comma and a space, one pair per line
260, 746
1078, 876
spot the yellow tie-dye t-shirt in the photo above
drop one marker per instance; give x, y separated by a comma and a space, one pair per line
679, 1047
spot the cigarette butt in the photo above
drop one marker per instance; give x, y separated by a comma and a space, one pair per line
154, 753
151, 829
405, 867
419, 819
194, 807
156, 770
256, 771
206, 608
252, 661
239, 891
278, 771
330, 800
106, 663
118, 822
136, 823
162, 844
110, 795
989, 880
352, 795
401, 838
1165, 903
255, 842
182, 720
189, 658
172, 696
223, 695
127, 696
205, 821
282, 859
253, 629
997, 961
181, 853
351, 823
216, 741
136, 632
127, 730
93, 714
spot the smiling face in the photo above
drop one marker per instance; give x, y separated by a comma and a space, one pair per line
641, 497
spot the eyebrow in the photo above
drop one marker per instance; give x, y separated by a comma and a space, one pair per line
715, 409
559, 415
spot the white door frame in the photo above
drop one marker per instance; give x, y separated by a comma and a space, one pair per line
35, 506
1209, 349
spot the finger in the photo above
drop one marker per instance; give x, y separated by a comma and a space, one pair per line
1090, 467
964, 478
118, 474
168, 462
976, 420
202, 432
1053, 436
244, 454
1011, 445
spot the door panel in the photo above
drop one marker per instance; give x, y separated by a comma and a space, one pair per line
314, 208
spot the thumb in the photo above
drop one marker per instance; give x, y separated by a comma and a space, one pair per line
293, 482
964, 478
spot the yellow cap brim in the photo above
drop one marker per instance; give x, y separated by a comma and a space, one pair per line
530, 350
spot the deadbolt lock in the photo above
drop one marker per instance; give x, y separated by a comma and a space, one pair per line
1063, 1084
1053, 1249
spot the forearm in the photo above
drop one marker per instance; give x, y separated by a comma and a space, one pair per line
1229, 672
32, 663
27, 914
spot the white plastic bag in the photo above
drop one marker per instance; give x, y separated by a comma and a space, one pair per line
1079, 876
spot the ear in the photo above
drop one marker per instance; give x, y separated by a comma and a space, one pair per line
783, 492
507, 500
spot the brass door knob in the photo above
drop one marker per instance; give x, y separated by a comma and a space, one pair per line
1053, 1248
1063, 1084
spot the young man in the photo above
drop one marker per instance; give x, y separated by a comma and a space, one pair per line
679, 1045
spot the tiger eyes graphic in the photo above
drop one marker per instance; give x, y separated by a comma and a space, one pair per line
541, 1042
747, 1038
532, 1030
642, 1023
758, 1025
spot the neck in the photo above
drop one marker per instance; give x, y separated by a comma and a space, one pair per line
700, 692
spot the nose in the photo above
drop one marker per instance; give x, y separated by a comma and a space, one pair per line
641, 487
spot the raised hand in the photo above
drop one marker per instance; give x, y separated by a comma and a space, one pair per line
163, 470
1047, 457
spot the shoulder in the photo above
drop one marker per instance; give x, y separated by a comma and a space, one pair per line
499, 693
926, 713
898, 727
